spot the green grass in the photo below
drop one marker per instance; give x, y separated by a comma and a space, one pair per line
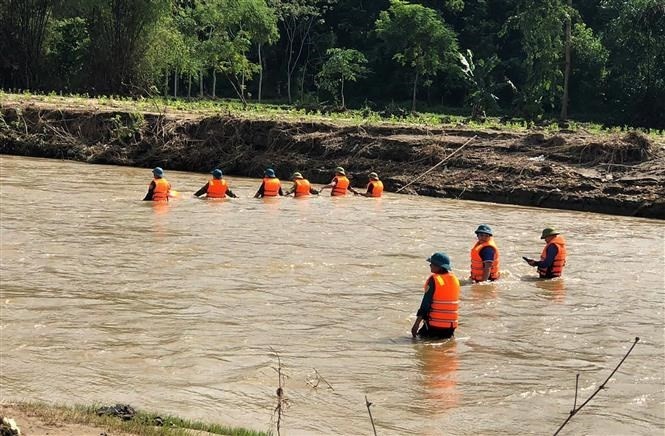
142, 424
285, 112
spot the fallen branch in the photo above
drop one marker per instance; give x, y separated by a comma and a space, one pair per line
319, 378
602, 386
281, 400
437, 165
368, 404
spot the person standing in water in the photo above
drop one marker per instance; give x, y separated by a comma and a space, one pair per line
301, 186
217, 187
159, 188
484, 256
374, 187
553, 257
440, 305
339, 184
270, 187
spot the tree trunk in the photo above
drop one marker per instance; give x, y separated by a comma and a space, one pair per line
175, 83
214, 83
566, 70
343, 103
415, 86
201, 84
189, 85
166, 84
302, 82
260, 73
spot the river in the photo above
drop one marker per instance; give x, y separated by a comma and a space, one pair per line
190, 308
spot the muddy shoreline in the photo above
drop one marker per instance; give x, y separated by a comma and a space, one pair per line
620, 174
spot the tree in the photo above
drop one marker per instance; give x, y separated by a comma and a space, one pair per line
588, 82
66, 47
298, 18
261, 21
120, 35
478, 74
419, 40
540, 23
343, 65
22, 31
636, 39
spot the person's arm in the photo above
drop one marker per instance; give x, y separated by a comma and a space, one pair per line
425, 307
552, 251
370, 188
202, 191
230, 193
292, 190
259, 193
330, 185
151, 190
280, 192
313, 191
416, 326
487, 255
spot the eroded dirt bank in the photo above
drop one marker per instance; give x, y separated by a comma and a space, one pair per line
616, 174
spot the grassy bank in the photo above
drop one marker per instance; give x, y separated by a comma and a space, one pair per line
312, 113
31, 417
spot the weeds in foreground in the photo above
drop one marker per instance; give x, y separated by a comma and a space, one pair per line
143, 423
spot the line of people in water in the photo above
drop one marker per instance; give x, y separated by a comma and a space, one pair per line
439, 308
159, 188
438, 314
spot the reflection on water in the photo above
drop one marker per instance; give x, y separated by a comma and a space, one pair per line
554, 289
438, 364
181, 307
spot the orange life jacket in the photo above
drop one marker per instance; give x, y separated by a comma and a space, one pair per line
556, 270
377, 187
477, 261
161, 191
217, 188
302, 187
341, 185
445, 303
271, 186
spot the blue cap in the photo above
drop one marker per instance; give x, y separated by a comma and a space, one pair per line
270, 172
216, 173
158, 171
484, 228
441, 260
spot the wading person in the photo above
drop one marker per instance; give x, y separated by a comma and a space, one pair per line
159, 188
439, 307
301, 186
339, 184
270, 187
217, 187
374, 187
484, 256
553, 257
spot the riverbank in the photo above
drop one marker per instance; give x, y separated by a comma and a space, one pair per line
35, 419
619, 173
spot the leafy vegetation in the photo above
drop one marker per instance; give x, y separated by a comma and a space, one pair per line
373, 55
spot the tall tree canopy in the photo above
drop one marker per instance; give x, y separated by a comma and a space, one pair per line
426, 48
607, 53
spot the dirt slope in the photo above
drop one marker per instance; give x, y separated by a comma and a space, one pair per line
618, 174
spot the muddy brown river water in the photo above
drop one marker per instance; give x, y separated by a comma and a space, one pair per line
184, 308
